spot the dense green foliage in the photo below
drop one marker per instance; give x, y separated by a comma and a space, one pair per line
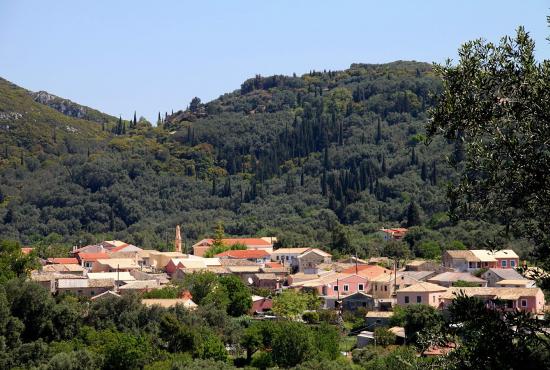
495, 107
324, 159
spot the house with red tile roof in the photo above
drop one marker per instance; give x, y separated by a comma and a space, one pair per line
200, 248
62, 260
87, 260
367, 271
26, 250
253, 255
396, 233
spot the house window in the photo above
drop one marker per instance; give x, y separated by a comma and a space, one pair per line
406, 299
433, 299
288, 258
92, 293
346, 288
418, 299
503, 263
376, 288
385, 288
336, 288
361, 287
277, 258
512, 263
524, 303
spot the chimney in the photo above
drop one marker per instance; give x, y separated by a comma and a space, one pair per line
177, 242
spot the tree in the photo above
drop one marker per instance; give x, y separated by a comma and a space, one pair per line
194, 105
418, 318
239, 296
413, 214
497, 99
290, 304
515, 347
292, 344
383, 337
428, 249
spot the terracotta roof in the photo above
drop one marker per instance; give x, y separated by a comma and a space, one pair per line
124, 246
243, 269
119, 263
121, 275
516, 282
500, 293
367, 271
237, 262
455, 276
316, 251
26, 250
290, 250
274, 265
61, 267
92, 256
140, 285
244, 254
56, 260
463, 254
503, 273
423, 287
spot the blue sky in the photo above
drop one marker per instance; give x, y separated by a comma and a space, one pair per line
121, 56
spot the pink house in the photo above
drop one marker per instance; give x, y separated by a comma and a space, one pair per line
421, 293
524, 299
335, 285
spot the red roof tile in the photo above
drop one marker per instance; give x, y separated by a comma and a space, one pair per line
26, 250
92, 256
120, 247
244, 254
66, 261
367, 271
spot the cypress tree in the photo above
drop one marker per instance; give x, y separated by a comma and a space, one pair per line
159, 120
135, 120
54, 135
102, 126
378, 132
383, 166
424, 172
413, 157
413, 215
434, 174
324, 189
214, 186
326, 161
302, 178
2, 196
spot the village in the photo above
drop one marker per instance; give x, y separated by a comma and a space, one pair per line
376, 286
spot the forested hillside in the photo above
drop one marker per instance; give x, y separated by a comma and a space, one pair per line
322, 159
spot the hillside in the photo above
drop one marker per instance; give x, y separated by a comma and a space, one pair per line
325, 159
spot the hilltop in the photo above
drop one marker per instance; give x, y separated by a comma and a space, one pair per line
325, 158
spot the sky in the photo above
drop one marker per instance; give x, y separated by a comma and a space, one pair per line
125, 56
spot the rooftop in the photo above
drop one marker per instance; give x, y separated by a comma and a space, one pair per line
244, 254
119, 263
55, 260
290, 250
500, 293
456, 276
423, 287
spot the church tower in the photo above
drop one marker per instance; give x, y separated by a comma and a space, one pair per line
177, 241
